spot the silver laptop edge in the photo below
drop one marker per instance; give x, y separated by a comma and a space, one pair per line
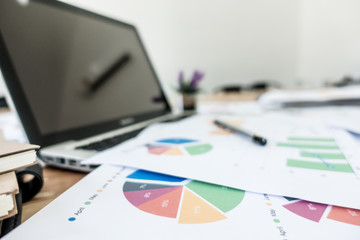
65, 155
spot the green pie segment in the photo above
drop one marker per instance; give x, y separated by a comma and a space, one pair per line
224, 198
198, 149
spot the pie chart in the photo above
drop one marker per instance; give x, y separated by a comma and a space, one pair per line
185, 201
178, 147
315, 211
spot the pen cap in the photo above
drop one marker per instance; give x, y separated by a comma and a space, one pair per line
260, 140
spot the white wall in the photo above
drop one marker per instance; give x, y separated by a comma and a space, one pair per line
232, 41
330, 40
238, 41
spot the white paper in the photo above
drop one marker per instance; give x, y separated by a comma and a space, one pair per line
232, 160
11, 128
347, 118
108, 204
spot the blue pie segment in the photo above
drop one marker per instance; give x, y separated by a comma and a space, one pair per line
146, 175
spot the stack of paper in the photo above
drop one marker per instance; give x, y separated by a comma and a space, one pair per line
8, 189
13, 155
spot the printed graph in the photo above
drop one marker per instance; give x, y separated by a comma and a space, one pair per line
178, 147
315, 211
189, 202
316, 154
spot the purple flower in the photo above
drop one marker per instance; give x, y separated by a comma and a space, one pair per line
189, 86
197, 76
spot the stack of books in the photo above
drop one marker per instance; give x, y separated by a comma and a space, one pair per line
13, 156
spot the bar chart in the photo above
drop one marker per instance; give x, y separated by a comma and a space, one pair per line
316, 154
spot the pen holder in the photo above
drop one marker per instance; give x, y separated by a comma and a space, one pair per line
189, 101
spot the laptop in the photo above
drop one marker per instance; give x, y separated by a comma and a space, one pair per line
80, 82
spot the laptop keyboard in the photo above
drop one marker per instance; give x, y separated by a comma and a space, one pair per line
109, 142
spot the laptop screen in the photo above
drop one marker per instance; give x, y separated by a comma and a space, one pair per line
77, 70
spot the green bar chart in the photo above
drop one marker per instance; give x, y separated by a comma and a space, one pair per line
316, 153
309, 146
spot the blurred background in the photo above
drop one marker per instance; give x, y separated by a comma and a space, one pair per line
289, 42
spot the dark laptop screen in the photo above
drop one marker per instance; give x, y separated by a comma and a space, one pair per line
78, 69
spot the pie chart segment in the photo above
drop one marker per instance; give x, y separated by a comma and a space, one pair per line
174, 151
176, 140
198, 149
194, 210
290, 198
166, 205
309, 210
135, 186
146, 175
224, 198
137, 198
345, 215
158, 150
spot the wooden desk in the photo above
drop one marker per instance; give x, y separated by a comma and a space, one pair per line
245, 96
56, 181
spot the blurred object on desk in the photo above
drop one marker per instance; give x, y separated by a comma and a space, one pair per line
259, 85
330, 96
345, 81
189, 88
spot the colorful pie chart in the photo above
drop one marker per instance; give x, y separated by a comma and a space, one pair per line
187, 201
178, 147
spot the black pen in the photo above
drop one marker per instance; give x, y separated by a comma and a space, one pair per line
256, 138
